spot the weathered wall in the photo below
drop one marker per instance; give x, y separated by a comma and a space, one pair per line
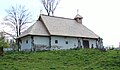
92, 41
24, 44
72, 42
41, 43
41, 40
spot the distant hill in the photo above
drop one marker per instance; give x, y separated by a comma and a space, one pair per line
83, 59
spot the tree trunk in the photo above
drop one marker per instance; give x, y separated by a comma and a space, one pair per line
48, 14
18, 45
52, 13
1, 52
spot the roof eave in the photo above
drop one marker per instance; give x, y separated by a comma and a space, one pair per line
77, 36
30, 35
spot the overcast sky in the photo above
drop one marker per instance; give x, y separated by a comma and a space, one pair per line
101, 16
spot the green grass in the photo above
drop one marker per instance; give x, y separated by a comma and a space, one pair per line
83, 59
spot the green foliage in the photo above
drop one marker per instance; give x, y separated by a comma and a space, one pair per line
3, 43
81, 59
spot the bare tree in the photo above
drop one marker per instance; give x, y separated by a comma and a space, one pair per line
17, 18
50, 5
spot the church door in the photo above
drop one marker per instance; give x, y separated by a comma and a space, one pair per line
85, 43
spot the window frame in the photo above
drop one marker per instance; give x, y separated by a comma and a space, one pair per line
56, 41
66, 42
26, 41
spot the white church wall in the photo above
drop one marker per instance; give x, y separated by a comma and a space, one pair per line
63, 42
26, 43
41, 40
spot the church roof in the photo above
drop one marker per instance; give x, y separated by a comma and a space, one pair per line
58, 26
36, 29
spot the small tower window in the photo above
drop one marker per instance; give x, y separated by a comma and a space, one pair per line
66, 42
56, 41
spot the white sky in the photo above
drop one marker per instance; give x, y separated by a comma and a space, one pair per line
101, 16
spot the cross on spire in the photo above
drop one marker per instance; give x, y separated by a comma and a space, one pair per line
41, 11
77, 11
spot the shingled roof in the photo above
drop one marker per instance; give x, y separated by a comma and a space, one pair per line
58, 26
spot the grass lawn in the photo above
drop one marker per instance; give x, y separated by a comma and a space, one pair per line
83, 59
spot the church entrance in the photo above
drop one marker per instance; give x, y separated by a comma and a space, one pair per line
85, 43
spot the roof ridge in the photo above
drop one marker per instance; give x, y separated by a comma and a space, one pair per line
45, 26
57, 17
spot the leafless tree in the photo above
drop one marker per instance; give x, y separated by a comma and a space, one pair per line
50, 5
17, 18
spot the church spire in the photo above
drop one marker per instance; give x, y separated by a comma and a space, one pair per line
78, 18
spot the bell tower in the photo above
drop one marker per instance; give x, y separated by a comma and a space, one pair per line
78, 18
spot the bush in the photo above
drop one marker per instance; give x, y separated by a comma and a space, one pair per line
3, 44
